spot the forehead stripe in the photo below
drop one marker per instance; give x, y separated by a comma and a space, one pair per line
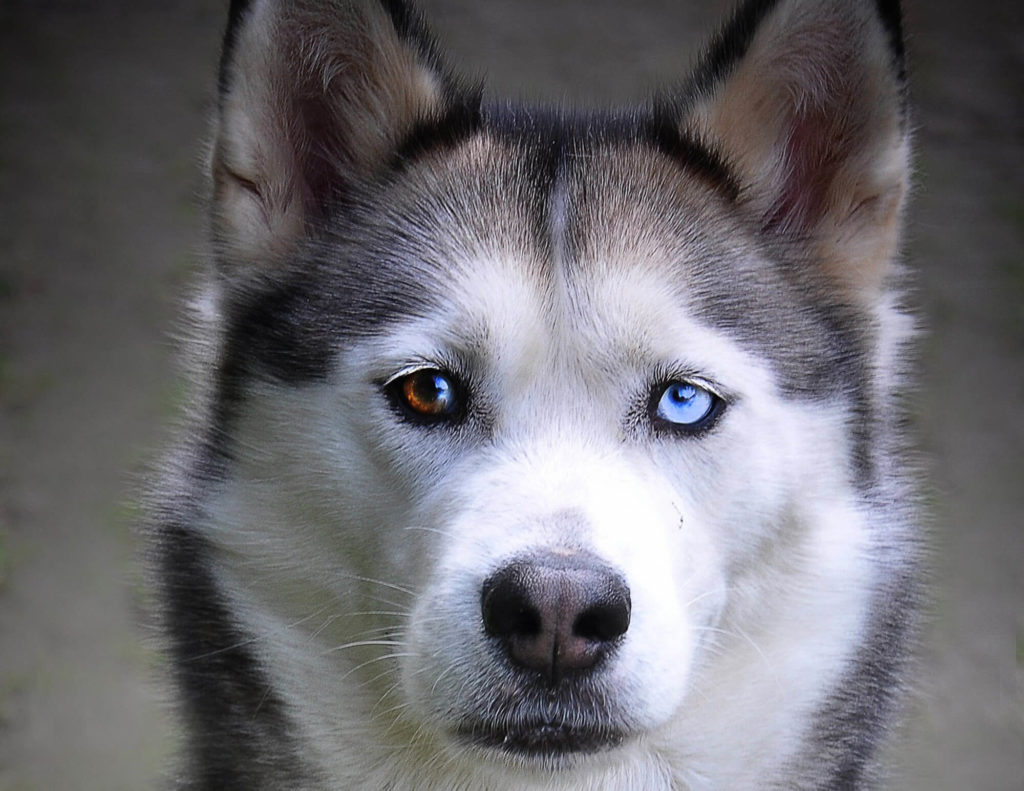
663, 132
461, 121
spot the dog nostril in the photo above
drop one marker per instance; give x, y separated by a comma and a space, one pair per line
507, 610
604, 622
555, 613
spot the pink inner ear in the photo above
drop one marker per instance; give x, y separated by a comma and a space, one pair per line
323, 160
813, 153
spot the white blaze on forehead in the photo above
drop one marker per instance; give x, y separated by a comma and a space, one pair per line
490, 315
501, 301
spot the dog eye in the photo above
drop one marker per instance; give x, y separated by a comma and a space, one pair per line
427, 394
686, 406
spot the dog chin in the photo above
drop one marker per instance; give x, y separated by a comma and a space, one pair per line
549, 743
543, 742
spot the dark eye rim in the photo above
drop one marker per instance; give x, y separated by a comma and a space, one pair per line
699, 428
393, 389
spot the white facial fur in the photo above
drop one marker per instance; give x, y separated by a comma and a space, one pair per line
366, 538
562, 275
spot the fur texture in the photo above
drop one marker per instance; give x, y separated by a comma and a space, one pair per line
539, 450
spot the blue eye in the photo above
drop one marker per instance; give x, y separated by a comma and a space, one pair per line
685, 405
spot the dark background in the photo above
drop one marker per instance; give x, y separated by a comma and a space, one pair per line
103, 107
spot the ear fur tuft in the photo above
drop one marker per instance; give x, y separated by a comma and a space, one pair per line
315, 98
805, 98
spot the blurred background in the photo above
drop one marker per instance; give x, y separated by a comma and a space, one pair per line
103, 109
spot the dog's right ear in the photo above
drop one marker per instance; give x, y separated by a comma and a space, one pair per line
315, 97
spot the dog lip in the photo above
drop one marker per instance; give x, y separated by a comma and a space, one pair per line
541, 739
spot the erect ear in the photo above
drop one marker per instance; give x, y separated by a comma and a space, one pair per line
314, 98
805, 98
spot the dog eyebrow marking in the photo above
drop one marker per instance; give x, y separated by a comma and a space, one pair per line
461, 121
663, 132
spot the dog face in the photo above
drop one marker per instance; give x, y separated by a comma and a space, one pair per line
541, 435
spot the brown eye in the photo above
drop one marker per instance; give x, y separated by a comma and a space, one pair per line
428, 393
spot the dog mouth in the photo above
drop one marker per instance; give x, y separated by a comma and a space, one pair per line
541, 739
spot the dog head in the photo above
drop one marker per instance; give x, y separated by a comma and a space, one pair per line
525, 420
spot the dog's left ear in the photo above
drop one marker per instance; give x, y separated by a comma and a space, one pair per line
805, 99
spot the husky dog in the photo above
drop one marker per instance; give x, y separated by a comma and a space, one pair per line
545, 450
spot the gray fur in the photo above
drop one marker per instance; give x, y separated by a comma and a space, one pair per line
356, 215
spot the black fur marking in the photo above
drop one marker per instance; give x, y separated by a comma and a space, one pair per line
728, 47
553, 135
237, 11
460, 122
540, 139
229, 704
411, 28
561, 128
734, 39
273, 334
284, 332
291, 331
819, 347
852, 725
891, 14
664, 132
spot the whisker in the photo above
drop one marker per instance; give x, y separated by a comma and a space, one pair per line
441, 675
381, 658
382, 583
266, 635
426, 529
360, 644
700, 596
374, 711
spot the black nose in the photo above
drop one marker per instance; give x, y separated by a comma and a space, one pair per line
556, 613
